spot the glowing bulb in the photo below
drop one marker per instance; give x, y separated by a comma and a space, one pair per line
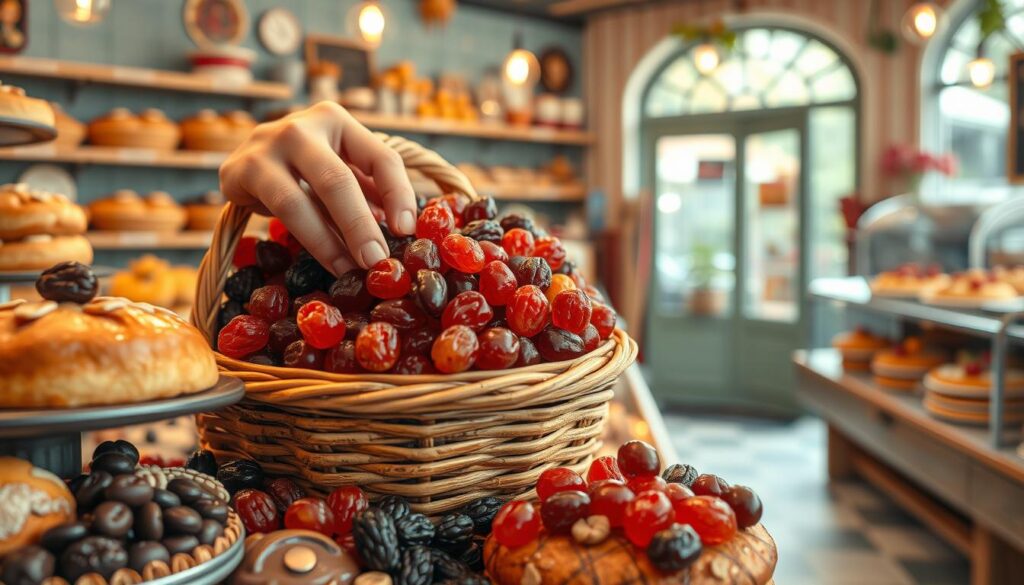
521, 67
981, 71
371, 23
705, 58
669, 203
83, 12
922, 21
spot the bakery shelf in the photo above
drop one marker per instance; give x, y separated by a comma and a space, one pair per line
105, 155
474, 129
139, 77
187, 240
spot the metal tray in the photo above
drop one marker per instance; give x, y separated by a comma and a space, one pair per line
215, 570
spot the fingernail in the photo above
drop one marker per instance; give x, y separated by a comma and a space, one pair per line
407, 222
372, 253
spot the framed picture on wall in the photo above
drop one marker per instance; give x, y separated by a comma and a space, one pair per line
13, 25
355, 59
1015, 142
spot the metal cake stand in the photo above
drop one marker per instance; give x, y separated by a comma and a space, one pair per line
7, 279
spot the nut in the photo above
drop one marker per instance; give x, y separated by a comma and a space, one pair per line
591, 530
531, 576
373, 578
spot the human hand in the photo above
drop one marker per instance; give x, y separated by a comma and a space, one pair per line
347, 169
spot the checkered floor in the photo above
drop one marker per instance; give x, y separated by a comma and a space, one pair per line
846, 533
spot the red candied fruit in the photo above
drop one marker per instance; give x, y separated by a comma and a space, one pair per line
745, 503
647, 483
322, 325
602, 317
517, 242
571, 311
550, 249
527, 313
245, 252
707, 484
677, 492
455, 349
468, 308
284, 491
310, 514
609, 499
348, 543
317, 295
591, 338
434, 223
300, 354
558, 479
257, 511
388, 279
242, 336
637, 458
277, 231
528, 354
270, 303
418, 342
711, 517
493, 252
499, 349
648, 513
345, 503
563, 509
517, 523
422, 254
377, 347
457, 203
341, 359
462, 253
414, 365
604, 467
497, 283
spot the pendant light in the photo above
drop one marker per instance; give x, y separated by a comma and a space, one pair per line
922, 21
981, 70
83, 12
367, 20
706, 58
521, 67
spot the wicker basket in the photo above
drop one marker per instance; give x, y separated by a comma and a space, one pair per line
439, 440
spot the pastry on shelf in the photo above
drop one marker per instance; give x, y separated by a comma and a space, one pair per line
27, 120
208, 130
971, 289
959, 392
908, 281
121, 128
858, 347
902, 366
75, 349
125, 210
39, 229
204, 211
1013, 275
70, 132
148, 280
32, 501
185, 279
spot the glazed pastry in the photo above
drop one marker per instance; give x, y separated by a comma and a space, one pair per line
121, 128
1013, 275
297, 557
126, 211
909, 280
204, 212
209, 131
21, 109
42, 250
26, 212
970, 287
858, 347
147, 280
32, 500
903, 366
71, 349
70, 132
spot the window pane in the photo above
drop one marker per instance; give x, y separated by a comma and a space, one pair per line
835, 86
746, 102
665, 102
757, 43
708, 97
730, 76
833, 174
790, 90
785, 45
954, 67
680, 74
816, 57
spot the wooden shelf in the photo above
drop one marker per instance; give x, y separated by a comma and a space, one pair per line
139, 77
187, 240
474, 130
104, 155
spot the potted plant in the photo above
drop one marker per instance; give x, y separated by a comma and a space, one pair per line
704, 299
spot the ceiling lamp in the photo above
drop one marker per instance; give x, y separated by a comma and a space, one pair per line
922, 21
521, 66
367, 21
83, 12
982, 72
706, 58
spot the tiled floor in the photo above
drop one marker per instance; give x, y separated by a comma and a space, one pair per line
846, 533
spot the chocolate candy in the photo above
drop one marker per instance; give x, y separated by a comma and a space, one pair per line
203, 461
209, 531
132, 490
93, 554
180, 544
29, 565
182, 520
212, 510
90, 492
188, 490
119, 446
165, 498
295, 557
149, 522
76, 483
113, 519
58, 538
142, 553
113, 463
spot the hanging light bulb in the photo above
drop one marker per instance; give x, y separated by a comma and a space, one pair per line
367, 21
83, 12
981, 71
706, 58
922, 21
521, 66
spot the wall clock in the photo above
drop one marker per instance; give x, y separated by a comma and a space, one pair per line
555, 70
216, 22
279, 31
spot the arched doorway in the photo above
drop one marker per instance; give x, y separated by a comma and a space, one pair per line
746, 165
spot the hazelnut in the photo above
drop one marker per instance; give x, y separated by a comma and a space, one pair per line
373, 578
591, 530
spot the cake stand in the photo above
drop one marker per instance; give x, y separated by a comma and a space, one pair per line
52, 438
7, 279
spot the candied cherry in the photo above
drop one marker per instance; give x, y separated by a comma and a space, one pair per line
459, 282
244, 335
270, 303
469, 308
493, 252
322, 325
349, 293
499, 349
604, 467
558, 479
745, 503
677, 492
560, 511
346, 503
637, 458
310, 514
518, 242
422, 254
348, 543
388, 279
594, 294
257, 511
609, 498
455, 349
533, 271
497, 283
404, 314
412, 365
283, 491
550, 249
591, 338
558, 345
462, 253
646, 514
602, 317
418, 342
527, 314
245, 252
430, 291
283, 333
377, 347
571, 311
559, 283
480, 209
354, 323
301, 354
277, 231
711, 517
708, 484
435, 222
317, 295
528, 354
517, 523
458, 204
341, 359
646, 483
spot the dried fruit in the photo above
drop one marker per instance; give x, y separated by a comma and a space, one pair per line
349, 293
559, 283
414, 529
257, 511
430, 291
484, 230
322, 325
571, 311
528, 354
533, 271
550, 249
459, 282
518, 242
240, 474
492, 252
517, 523
637, 458
422, 254
469, 308
499, 349
708, 484
482, 512
462, 253
283, 333
562, 509
305, 276
603, 318
556, 345
341, 359
377, 347
270, 303
239, 286
395, 506
413, 365
454, 532
284, 492
376, 540
527, 314
497, 283
301, 354
674, 548
310, 514
711, 517
243, 336
455, 349
70, 282
346, 503
388, 279
604, 467
416, 567
435, 222
403, 313
646, 514
272, 258
609, 498
745, 503
484, 208
678, 473
245, 252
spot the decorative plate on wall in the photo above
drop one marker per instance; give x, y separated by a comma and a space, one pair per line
555, 70
279, 31
216, 22
52, 178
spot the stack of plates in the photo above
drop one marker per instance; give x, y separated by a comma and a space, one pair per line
950, 396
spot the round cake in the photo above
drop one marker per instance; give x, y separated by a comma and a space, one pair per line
204, 212
972, 287
903, 366
39, 229
909, 280
960, 393
858, 347
126, 211
26, 120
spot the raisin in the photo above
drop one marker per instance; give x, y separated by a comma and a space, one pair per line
571, 310
270, 303
243, 336
282, 334
376, 540
454, 532
68, 282
240, 474
395, 506
556, 345
396, 244
482, 513
499, 349
436, 222
272, 258
462, 253
680, 473
418, 342
484, 230
417, 567
674, 548
414, 529
430, 290
305, 276
449, 567
550, 249
459, 282
403, 313
301, 354
473, 556
528, 354
533, 271
341, 359
377, 347
388, 279
421, 255
414, 365
518, 242
513, 221
480, 209
527, 313
348, 293
240, 285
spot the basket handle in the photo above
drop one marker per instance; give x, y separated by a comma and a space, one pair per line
213, 271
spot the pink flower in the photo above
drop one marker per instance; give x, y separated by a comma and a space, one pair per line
922, 162
946, 164
896, 159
